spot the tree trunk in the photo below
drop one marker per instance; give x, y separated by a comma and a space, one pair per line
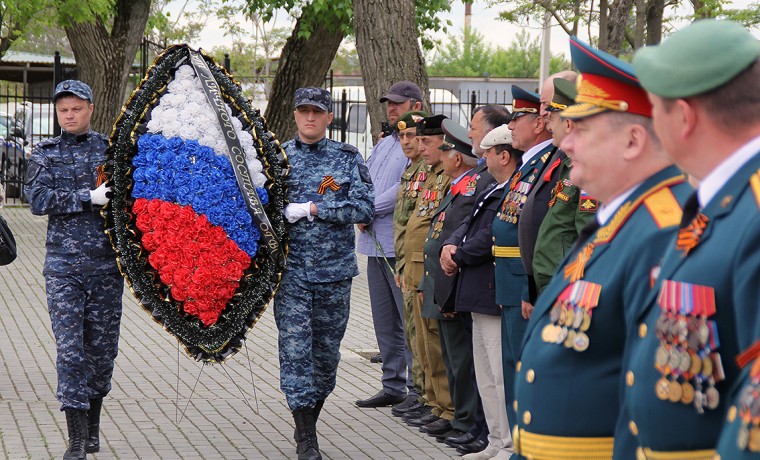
104, 59
303, 62
388, 51
641, 24
603, 27
618, 19
655, 13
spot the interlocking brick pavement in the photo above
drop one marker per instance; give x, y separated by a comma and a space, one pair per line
154, 380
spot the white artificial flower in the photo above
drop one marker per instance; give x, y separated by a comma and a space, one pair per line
184, 111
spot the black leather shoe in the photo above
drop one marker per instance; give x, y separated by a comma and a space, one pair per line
409, 404
453, 433
456, 441
381, 399
375, 359
429, 418
419, 413
474, 446
436, 428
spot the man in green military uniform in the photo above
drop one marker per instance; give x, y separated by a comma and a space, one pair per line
455, 329
567, 213
705, 309
410, 185
436, 387
568, 383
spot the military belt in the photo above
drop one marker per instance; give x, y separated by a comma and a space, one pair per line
644, 453
505, 251
541, 446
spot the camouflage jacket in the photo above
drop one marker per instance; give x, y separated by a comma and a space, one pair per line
60, 174
333, 176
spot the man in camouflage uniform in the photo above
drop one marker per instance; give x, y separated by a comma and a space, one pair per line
329, 190
65, 181
430, 135
410, 185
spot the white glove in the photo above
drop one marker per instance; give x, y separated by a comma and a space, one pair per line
296, 211
98, 196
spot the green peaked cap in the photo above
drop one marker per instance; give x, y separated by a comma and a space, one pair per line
701, 57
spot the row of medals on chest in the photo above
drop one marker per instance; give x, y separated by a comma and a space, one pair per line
431, 198
571, 316
686, 356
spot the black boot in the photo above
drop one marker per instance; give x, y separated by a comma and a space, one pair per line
76, 421
315, 412
93, 426
306, 434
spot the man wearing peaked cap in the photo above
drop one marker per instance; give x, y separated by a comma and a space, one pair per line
578, 330
65, 181
455, 330
537, 201
376, 240
529, 134
430, 135
329, 191
709, 123
569, 208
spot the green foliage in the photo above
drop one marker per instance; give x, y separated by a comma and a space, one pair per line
346, 60
339, 14
749, 17
73, 11
472, 57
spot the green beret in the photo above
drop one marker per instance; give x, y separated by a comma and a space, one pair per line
699, 58
410, 119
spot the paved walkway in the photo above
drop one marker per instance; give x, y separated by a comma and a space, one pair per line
141, 419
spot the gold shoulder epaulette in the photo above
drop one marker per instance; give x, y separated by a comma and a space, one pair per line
754, 182
664, 208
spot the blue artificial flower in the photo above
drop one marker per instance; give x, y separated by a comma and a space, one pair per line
191, 174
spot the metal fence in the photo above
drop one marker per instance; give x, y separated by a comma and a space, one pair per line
351, 121
26, 118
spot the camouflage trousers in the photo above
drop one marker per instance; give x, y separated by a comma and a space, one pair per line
85, 312
311, 319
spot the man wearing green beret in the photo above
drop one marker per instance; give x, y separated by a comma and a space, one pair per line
409, 189
703, 310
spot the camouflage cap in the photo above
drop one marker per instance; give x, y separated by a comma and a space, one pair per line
410, 119
708, 54
77, 88
311, 95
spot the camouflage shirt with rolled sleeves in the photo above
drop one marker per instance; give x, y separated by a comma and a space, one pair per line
333, 176
409, 188
60, 174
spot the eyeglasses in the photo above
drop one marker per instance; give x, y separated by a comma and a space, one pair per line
410, 135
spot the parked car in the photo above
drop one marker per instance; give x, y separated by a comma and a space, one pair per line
12, 156
357, 124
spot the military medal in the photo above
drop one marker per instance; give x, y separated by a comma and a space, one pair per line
687, 393
749, 401
662, 387
571, 316
674, 391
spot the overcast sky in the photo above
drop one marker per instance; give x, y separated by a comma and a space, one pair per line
484, 19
